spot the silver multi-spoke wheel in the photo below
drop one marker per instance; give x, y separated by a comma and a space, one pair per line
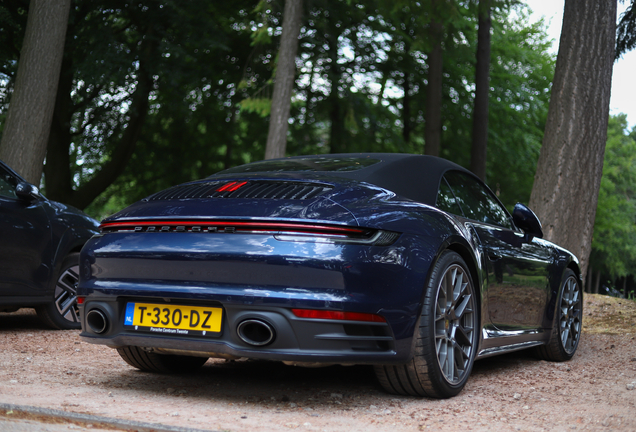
66, 294
570, 321
454, 323
445, 343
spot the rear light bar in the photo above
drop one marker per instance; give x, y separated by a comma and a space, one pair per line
283, 231
337, 315
215, 226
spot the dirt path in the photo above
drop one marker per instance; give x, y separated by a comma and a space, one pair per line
594, 391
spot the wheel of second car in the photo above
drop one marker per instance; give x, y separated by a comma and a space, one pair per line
162, 363
62, 312
567, 323
446, 340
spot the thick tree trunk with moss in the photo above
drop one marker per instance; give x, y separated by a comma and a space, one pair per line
284, 83
28, 123
482, 84
568, 177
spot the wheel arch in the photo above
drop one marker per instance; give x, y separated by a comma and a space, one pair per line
575, 267
469, 258
460, 246
72, 240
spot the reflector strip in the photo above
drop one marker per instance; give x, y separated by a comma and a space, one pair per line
337, 315
263, 226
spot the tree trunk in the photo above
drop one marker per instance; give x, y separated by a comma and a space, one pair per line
482, 84
284, 83
406, 109
568, 177
433, 107
406, 87
57, 171
26, 131
625, 287
597, 282
336, 114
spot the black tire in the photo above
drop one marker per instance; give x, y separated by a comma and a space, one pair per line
567, 323
162, 363
445, 322
62, 312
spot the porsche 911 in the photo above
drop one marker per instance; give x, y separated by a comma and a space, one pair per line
409, 263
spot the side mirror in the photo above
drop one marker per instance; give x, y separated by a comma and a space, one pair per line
525, 219
27, 191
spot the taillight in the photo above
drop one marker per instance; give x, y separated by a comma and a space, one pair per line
80, 300
283, 231
337, 315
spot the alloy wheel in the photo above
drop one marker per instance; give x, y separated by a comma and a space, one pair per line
66, 294
570, 322
455, 323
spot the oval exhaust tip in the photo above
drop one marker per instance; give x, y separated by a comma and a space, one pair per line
96, 321
255, 332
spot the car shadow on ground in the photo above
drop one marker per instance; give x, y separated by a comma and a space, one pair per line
253, 380
21, 320
274, 384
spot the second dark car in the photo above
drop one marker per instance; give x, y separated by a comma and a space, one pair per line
406, 262
40, 241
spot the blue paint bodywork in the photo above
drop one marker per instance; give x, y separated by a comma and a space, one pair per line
266, 274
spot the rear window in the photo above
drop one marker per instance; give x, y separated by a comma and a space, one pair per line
305, 164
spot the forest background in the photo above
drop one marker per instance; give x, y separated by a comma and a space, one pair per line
155, 93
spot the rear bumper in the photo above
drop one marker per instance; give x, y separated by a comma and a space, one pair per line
259, 277
295, 339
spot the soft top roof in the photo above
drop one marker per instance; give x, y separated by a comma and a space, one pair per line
415, 177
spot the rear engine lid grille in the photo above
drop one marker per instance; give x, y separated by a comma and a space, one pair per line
244, 189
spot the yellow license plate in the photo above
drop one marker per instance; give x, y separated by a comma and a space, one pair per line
174, 319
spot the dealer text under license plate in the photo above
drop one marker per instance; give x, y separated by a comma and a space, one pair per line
174, 319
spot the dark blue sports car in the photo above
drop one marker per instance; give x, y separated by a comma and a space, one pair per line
406, 262
40, 242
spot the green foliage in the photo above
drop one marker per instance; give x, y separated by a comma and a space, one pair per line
626, 31
262, 33
360, 86
260, 106
614, 241
520, 79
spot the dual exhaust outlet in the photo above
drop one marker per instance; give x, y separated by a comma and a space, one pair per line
252, 331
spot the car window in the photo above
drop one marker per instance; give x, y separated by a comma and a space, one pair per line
446, 199
476, 201
7, 184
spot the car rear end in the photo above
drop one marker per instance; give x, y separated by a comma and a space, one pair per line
273, 268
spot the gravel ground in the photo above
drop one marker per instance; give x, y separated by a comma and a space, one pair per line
594, 391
